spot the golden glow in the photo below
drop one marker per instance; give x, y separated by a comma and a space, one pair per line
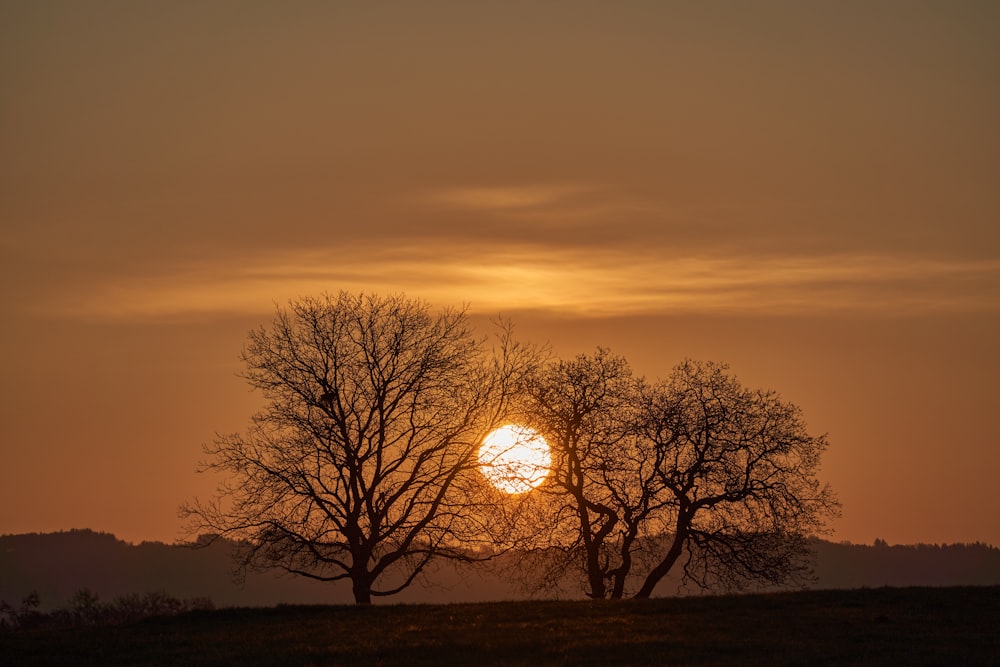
577, 282
503, 198
515, 459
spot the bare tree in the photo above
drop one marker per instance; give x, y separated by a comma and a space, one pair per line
695, 470
362, 465
738, 469
603, 482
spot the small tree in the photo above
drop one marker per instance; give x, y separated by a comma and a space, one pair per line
738, 469
362, 464
603, 482
696, 470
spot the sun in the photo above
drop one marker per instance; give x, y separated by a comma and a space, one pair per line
515, 459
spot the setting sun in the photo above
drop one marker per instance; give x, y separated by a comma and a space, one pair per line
515, 459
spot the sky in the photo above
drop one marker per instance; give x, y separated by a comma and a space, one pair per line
805, 191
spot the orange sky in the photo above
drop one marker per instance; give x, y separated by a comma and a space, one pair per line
807, 191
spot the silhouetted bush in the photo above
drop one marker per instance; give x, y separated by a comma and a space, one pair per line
84, 608
26, 615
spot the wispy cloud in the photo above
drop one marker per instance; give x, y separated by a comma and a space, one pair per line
502, 198
584, 283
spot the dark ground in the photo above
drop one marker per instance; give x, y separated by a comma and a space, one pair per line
885, 626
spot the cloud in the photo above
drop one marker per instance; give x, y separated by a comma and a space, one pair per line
502, 198
579, 282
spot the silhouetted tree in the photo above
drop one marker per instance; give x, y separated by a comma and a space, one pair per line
603, 484
738, 470
362, 465
695, 470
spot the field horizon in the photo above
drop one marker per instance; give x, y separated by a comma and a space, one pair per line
918, 625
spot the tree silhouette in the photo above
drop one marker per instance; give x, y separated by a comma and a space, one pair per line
601, 487
738, 470
695, 470
362, 465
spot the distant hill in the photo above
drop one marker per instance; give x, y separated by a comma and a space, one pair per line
56, 565
844, 565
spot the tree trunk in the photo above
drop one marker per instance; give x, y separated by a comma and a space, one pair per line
362, 590
596, 585
595, 575
618, 583
661, 569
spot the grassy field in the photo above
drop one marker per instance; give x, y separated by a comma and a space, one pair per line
909, 626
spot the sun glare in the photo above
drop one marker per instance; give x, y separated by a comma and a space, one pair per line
515, 459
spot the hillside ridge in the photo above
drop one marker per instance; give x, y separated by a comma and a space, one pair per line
56, 565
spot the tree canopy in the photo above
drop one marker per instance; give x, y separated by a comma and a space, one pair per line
362, 465
694, 471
